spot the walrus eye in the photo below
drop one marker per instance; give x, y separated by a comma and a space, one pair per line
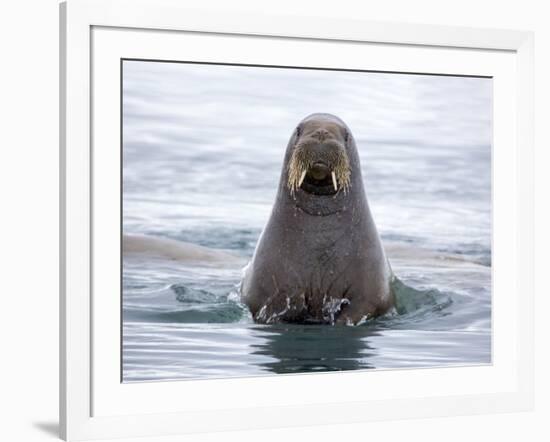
346, 136
298, 131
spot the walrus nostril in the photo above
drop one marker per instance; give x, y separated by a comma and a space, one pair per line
321, 134
319, 171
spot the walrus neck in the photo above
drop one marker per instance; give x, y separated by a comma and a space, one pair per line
318, 206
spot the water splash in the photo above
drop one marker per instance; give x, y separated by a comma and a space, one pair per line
409, 300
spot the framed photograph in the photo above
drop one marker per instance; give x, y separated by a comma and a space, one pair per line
325, 220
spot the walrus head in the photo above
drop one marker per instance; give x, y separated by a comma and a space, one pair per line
319, 164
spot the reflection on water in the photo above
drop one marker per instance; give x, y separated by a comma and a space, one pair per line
202, 154
297, 349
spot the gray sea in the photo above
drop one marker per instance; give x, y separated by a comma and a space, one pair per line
202, 153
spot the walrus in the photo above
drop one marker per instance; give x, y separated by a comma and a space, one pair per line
145, 246
319, 259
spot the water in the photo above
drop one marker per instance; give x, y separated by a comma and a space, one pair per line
202, 154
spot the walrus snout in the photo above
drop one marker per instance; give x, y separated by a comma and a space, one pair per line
319, 164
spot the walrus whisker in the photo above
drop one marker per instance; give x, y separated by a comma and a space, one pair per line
303, 167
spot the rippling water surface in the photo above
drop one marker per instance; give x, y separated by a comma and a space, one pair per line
202, 153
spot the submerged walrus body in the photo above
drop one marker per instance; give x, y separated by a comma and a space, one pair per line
319, 258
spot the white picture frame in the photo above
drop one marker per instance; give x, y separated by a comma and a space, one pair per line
93, 402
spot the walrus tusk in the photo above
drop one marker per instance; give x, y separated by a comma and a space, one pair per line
334, 182
302, 178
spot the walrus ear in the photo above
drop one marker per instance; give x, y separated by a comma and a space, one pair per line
346, 136
298, 131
